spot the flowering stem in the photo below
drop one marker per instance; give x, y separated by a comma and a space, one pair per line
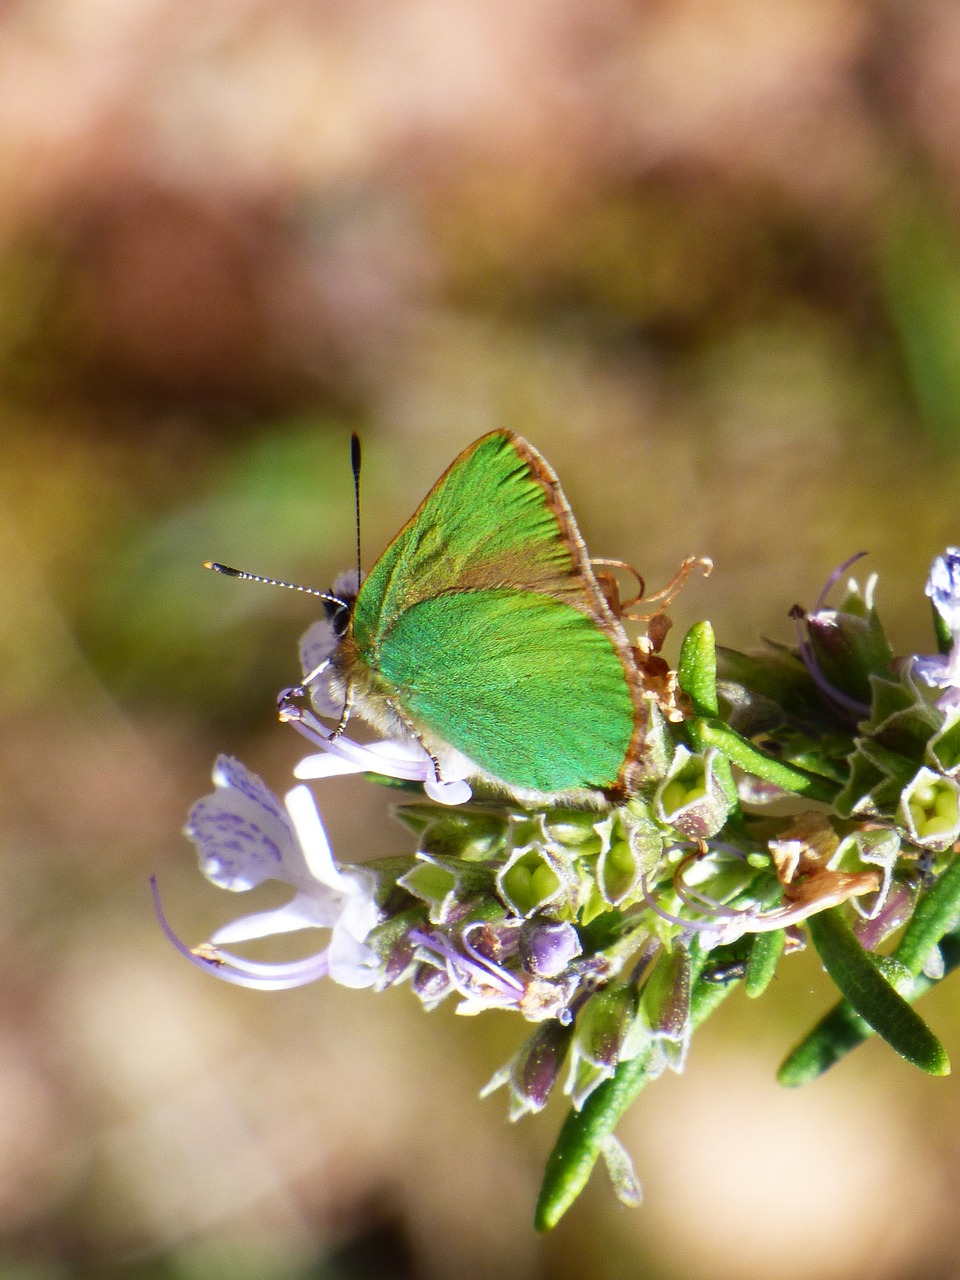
872, 996
581, 1139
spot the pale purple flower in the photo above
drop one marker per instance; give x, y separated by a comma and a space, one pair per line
942, 671
245, 836
485, 984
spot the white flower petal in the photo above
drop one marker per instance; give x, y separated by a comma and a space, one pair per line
300, 913
351, 963
314, 844
244, 838
241, 843
451, 793
324, 764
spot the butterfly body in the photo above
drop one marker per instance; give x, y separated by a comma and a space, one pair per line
482, 631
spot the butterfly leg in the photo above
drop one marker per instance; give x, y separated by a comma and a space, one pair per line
345, 713
418, 736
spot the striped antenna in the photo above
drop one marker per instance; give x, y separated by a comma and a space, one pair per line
273, 582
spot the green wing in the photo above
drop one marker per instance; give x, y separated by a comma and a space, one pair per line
495, 518
526, 686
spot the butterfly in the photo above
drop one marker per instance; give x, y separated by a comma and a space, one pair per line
483, 629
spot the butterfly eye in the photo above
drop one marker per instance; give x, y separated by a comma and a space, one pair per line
339, 614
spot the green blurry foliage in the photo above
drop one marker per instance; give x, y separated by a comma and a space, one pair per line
161, 629
921, 280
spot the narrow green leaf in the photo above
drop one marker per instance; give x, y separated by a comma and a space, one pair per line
841, 1030
872, 996
697, 672
584, 1132
936, 913
581, 1140
739, 751
762, 963
697, 669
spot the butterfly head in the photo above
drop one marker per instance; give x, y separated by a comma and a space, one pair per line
338, 604
323, 675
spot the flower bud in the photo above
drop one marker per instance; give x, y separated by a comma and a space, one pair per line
534, 1069
431, 984
849, 644
548, 946
665, 1004
602, 1028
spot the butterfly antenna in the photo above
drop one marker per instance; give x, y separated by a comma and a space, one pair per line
272, 582
355, 468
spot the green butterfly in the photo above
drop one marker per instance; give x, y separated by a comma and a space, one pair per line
483, 628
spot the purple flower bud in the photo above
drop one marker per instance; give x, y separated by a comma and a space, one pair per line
533, 1070
896, 911
536, 1069
431, 984
548, 946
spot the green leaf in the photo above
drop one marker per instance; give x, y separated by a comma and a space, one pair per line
697, 670
841, 1029
697, 673
762, 964
745, 755
872, 996
936, 914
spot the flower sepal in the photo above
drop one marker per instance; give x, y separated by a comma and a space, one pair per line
929, 811
692, 798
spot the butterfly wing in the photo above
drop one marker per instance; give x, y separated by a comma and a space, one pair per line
490, 580
525, 685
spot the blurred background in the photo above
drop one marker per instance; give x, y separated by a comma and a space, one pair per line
706, 257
